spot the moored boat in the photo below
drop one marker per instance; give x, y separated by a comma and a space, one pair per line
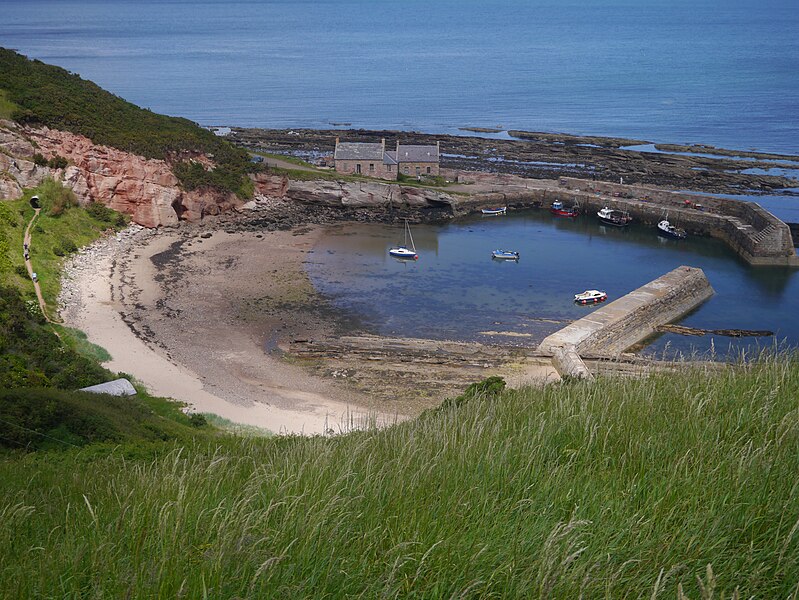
505, 255
617, 218
667, 229
590, 297
403, 251
495, 211
559, 210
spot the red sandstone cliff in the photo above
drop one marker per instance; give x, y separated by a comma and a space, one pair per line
145, 189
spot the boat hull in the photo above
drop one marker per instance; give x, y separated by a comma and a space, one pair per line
673, 233
562, 212
590, 297
494, 211
403, 253
499, 255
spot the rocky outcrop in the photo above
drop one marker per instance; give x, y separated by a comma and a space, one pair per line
365, 194
17, 170
146, 189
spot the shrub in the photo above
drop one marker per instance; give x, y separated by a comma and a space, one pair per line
55, 198
39, 159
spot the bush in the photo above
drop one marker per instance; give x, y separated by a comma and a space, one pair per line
32, 354
197, 420
55, 198
39, 160
21, 270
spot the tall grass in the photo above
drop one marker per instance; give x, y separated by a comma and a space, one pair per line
675, 484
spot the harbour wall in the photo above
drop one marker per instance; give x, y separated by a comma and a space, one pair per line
615, 327
755, 234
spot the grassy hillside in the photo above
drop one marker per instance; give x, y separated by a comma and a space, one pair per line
618, 489
31, 354
34, 92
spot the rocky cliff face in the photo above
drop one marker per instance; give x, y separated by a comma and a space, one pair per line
145, 189
148, 191
365, 194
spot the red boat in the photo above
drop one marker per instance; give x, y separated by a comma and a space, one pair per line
559, 210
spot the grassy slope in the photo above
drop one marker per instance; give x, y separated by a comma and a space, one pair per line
607, 488
54, 97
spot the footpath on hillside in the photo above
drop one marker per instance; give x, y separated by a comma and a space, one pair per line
26, 253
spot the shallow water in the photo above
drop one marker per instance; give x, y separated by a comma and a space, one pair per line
456, 291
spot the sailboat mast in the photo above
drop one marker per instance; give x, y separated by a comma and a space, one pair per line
409, 235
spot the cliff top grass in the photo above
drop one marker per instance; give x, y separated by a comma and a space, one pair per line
40, 94
679, 485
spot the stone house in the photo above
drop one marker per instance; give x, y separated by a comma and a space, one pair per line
373, 160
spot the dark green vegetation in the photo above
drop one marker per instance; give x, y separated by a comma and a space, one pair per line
36, 93
51, 419
617, 489
31, 354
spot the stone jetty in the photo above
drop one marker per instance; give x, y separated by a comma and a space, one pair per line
612, 329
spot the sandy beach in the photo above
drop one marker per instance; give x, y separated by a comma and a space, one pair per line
166, 325
211, 315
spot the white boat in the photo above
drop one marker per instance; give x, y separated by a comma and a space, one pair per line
669, 230
404, 251
617, 218
505, 255
590, 297
495, 211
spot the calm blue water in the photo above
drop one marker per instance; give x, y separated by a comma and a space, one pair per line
456, 291
721, 72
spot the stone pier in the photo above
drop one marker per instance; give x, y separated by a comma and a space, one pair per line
613, 328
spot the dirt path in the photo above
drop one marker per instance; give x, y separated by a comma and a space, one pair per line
26, 248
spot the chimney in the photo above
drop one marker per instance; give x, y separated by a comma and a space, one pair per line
438, 146
336, 140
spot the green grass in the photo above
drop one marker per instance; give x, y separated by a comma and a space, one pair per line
285, 157
77, 340
616, 489
7, 108
30, 352
53, 238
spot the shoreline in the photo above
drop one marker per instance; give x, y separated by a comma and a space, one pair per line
107, 289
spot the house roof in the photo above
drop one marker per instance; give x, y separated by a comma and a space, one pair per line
408, 153
390, 158
118, 387
359, 151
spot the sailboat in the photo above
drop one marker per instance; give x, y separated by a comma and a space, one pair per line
404, 251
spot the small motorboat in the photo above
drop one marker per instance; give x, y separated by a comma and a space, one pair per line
667, 229
495, 211
403, 251
505, 255
617, 218
559, 210
590, 297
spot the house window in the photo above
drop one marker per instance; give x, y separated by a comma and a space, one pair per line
406, 170
388, 168
418, 170
371, 167
428, 170
358, 168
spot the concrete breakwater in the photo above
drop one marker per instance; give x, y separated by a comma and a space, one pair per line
612, 329
755, 234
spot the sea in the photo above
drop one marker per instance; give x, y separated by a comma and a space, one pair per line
716, 72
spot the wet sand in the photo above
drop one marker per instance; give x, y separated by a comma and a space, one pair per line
180, 313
